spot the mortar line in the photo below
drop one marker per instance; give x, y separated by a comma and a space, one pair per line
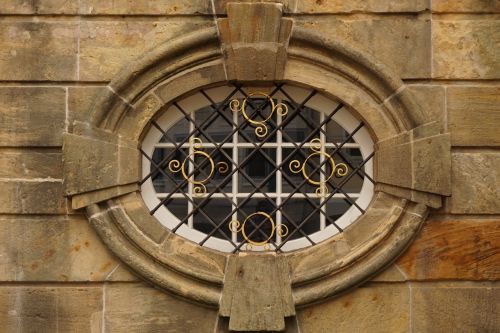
445, 109
214, 16
431, 40
103, 318
78, 37
66, 102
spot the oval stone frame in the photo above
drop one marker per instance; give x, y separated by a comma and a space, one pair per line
102, 162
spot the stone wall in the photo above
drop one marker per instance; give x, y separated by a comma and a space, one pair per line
56, 275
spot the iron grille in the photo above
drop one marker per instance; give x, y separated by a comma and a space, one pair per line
256, 169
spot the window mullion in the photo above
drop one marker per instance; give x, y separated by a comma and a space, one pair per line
322, 137
279, 179
234, 235
190, 172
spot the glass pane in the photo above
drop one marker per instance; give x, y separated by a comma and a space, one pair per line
213, 171
303, 126
258, 227
178, 207
216, 128
258, 122
257, 168
336, 133
355, 182
213, 215
293, 174
178, 132
167, 181
335, 208
295, 212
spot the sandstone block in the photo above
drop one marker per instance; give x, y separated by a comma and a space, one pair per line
476, 183
432, 100
105, 47
53, 248
38, 51
80, 101
30, 163
38, 7
339, 6
139, 308
466, 49
32, 197
455, 308
466, 6
474, 115
374, 308
454, 249
50, 309
91, 164
401, 43
157, 7
31, 116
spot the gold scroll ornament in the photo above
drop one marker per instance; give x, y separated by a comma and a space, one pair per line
339, 169
199, 187
261, 127
236, 226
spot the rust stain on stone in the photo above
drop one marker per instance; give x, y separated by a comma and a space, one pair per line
34, 265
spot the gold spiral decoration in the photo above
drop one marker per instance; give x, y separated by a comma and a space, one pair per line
199, 187
338, 169
236, 226
261, 129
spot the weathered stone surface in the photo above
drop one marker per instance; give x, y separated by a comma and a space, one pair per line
254, 38
91, 164
454, 249
374, 308
32, 116
32, 197
157, 7
422, 164
466, 49
401, 43
474, 115
38, 7
139, 308
30, 163
50, 309
340, 6
432, 100
454, 307
38, 51
80, 101
476, 183
391, 274
53, 248
105, 47
466, 6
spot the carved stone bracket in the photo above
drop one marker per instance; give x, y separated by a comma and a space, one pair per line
254, 37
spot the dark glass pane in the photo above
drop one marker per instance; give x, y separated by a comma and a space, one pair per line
258, 227
217, 128
178, 207
178, 132
303, 126
167, 181
335, 208
355, 182
213, 170
257, 168
293, 170
295, 212
255, 126
217, 211
336, 133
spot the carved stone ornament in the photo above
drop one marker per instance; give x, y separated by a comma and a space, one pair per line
255, 43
